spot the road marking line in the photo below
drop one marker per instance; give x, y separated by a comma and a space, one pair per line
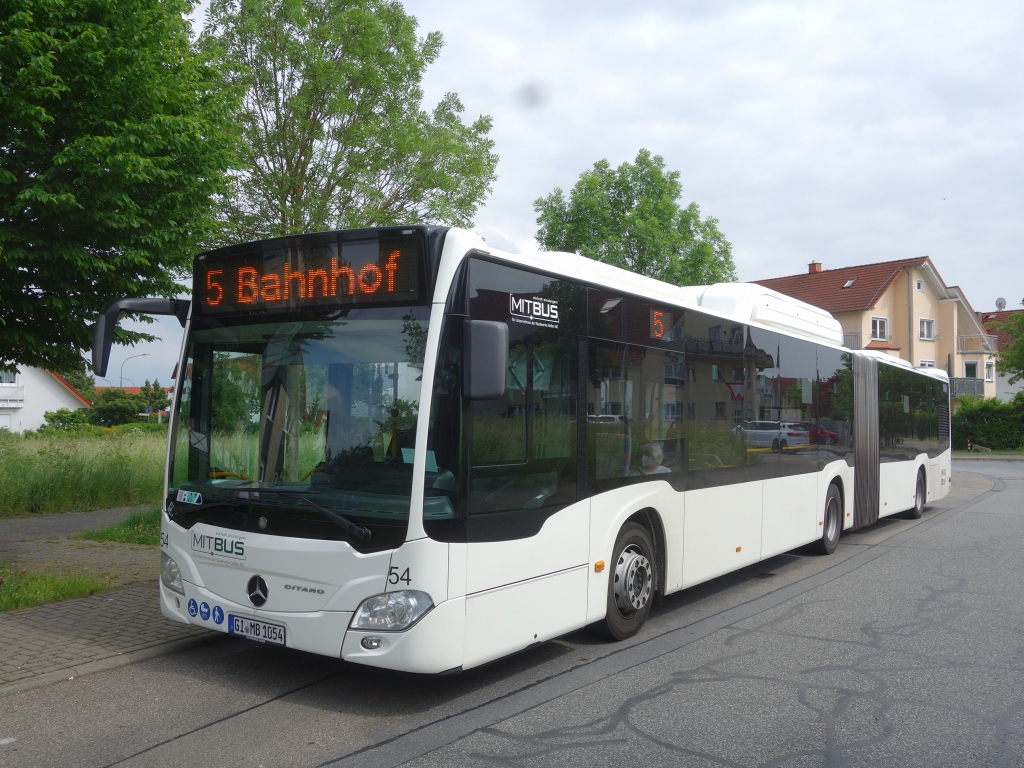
5, 742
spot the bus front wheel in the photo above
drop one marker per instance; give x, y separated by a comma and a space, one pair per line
833, 522
630, 583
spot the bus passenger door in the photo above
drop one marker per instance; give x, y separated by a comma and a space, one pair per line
527, 550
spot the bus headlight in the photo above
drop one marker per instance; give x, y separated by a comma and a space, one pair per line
392, 612
170, 574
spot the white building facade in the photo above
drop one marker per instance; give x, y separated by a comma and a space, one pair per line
28, 393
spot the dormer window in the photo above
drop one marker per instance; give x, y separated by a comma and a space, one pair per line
849, 283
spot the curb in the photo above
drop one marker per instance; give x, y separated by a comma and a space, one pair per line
988, 457
110, 662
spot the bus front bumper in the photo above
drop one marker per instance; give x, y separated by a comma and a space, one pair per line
433, 645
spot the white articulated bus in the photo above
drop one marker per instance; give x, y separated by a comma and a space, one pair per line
405, 448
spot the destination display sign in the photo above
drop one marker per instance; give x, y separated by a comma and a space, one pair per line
345, 274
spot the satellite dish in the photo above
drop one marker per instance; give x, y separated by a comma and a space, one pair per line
1000, 304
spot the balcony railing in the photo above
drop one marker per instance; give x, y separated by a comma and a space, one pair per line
961, 387
12, 397
851, 340
985, 344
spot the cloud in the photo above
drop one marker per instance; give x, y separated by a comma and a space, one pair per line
811, 130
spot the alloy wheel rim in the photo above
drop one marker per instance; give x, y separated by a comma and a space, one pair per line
633, 581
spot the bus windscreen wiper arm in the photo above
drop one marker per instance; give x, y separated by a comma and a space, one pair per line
354, 529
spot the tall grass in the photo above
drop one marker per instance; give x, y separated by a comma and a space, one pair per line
67, 471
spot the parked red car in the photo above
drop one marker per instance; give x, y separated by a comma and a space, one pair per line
818, 434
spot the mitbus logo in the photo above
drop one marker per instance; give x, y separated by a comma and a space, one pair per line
219, 544
534, 310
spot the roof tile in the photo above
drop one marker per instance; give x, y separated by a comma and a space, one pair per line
991, 319
825, 289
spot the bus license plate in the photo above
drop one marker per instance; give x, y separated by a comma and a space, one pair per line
254, 629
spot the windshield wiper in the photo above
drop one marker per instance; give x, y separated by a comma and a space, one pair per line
254, 488
354, 529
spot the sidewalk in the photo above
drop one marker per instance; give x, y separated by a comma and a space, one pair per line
52, 642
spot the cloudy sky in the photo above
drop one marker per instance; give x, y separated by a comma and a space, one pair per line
845, 133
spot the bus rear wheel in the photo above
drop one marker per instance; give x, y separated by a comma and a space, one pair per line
920, 494
630, 583
833, 522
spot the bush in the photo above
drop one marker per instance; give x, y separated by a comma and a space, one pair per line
66, 420
991, 423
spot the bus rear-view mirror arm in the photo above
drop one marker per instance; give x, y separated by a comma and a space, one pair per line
106, 323
486, 359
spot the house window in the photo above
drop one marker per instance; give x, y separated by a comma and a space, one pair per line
8, 377
927, 329
849, 283
927, 364
719, 410
971, 370
880, 328
920, 286
990, 371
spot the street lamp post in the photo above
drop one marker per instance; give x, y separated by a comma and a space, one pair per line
120, 378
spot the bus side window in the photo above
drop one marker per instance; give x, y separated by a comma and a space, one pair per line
498, 427
636, 400
522, 447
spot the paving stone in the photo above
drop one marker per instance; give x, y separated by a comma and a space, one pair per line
69, 633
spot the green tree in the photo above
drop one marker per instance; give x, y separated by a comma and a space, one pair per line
1011, 355
115, 406
630, 217
115, 138
82, 381
154, 395
335, 135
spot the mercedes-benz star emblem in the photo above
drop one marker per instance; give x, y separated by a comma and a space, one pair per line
257, 591
262, 522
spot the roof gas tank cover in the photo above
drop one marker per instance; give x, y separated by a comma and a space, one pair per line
749, 302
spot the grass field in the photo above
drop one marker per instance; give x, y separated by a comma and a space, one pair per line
138, 528
66, 472
22, 589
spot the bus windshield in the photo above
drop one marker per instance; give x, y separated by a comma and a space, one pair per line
278, 418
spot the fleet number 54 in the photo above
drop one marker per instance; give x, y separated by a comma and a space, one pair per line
394, 577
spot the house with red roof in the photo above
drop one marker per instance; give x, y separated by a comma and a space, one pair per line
992, 322
903, 308
28, 393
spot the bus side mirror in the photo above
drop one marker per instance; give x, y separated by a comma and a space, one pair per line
485, 356
106, 323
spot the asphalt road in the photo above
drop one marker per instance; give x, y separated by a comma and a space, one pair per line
905, 647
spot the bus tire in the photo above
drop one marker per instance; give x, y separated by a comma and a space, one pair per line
630, 583
920, 494
833, 522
